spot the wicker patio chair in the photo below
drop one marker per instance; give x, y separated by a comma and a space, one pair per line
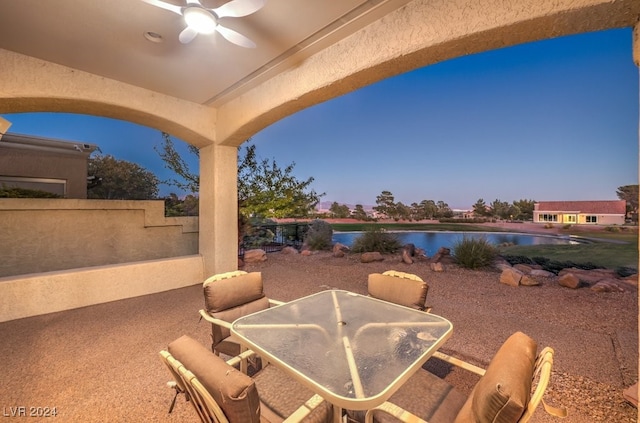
220, 393
228, 296
401, 288
502, 394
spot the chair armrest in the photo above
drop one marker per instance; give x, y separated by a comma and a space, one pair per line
460, 363
305, 409
206, 316
395, 411
275, 302
234, 361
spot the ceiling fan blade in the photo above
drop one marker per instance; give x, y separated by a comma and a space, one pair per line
194, 2
238, 8
187, 35
167, 6
235, 37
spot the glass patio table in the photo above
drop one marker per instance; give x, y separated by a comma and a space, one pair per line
354, 351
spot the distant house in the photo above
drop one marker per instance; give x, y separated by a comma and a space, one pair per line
45, 164
580, 212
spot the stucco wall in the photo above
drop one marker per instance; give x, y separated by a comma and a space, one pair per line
43, 235
43, 293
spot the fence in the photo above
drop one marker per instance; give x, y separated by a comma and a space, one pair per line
274, 237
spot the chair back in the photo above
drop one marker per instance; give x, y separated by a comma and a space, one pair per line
184, 379
231, 295
400, 288
220, 392
503, 394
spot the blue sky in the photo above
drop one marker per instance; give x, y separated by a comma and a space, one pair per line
551, 120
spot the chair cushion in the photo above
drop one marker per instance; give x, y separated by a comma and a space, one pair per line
425, 395
219, 333
235, 392
281, 396
502, 394
406, 292
228, 293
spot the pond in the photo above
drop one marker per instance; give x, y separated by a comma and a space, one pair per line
432, 241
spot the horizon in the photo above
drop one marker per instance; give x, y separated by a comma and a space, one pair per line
552, 120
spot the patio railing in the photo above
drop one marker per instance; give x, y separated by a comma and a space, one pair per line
273, 237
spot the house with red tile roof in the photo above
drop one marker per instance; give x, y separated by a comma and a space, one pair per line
580, 212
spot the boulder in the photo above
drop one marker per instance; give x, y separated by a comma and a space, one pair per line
371, 257
526, 269
607, 285
338, 253
527, 280
589, 276
406, 256
500, 263
511, 277
255, 256
306, 253
289, 250
542, 273
436, 267
410, 249
340, 247
569, 280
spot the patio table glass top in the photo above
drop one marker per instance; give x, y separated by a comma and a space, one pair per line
353, 350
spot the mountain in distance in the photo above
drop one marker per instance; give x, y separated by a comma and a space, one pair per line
326, 205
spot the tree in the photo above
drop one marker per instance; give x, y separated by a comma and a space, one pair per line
385, 204
629, 193
443, 209
500, 209
121, 180
359, 213
480, 208
525, 209
339, 211
264, 188
402, 212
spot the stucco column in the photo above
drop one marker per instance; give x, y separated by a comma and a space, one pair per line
218, 239
635, 45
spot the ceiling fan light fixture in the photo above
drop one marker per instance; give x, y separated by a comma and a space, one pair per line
200, 19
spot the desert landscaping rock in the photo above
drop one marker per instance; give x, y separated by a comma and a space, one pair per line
511, 277
607, 285
254, 256
569, 280
436, 267
371, 257
289, 250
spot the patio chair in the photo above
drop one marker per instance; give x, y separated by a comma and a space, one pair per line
228, 296
220, 393
502, 394
401, 288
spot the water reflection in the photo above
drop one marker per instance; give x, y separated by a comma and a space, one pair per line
432, 241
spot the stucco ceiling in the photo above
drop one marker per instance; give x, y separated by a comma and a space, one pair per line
107, 38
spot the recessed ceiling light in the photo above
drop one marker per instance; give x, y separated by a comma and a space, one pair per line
154, 37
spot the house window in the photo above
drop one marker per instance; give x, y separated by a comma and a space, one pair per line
592, 219
547, 217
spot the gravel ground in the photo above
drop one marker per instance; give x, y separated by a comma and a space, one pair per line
594, 335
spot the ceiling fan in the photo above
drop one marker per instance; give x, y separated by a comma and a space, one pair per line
203, 20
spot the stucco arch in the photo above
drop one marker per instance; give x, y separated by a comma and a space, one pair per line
421, 33
32, 85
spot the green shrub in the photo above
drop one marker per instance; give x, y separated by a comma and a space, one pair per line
613, 228
376, 239
567, 226
319, 236
14, 192
474, 253
548, 225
